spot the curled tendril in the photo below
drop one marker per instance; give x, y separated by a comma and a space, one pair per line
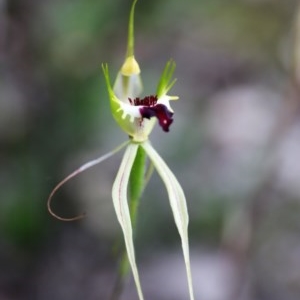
75, 173
52, 194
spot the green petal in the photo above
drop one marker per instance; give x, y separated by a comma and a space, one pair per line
114, 101
178, 205
119, 195
166, 82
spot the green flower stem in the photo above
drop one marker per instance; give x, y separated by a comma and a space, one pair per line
148, 174
121, 276
136, 188
136, 183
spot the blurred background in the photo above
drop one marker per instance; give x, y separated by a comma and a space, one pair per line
234, 146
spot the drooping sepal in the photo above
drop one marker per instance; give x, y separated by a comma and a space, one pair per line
119, 195
178, 206
81, 169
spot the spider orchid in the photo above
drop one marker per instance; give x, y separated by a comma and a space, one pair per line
137, 116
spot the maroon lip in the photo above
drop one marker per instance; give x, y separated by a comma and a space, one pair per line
150, 108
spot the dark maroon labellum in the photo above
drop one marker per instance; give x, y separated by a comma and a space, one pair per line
159, 111
150, 109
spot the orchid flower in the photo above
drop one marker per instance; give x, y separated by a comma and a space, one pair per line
136, 116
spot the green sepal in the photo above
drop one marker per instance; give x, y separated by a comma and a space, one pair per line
130, 41
128, 83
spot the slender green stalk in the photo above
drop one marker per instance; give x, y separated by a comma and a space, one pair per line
148, 173
121, 276
136, 183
